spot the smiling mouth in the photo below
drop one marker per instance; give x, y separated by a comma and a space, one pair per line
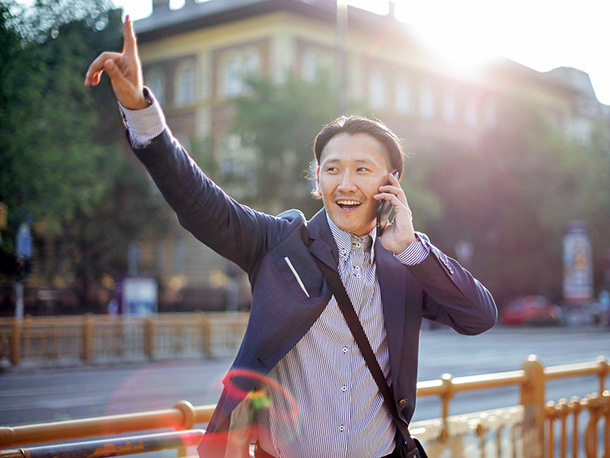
346, 204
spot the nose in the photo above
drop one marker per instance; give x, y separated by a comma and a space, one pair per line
347, 183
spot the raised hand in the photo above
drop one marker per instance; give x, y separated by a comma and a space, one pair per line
124, 70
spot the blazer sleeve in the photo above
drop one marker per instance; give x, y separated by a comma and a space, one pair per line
233, 230
452, 296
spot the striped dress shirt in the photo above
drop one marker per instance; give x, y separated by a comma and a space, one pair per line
340, 410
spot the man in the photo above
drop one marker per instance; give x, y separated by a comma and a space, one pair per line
299, 386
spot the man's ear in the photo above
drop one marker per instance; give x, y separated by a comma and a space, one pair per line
318, 180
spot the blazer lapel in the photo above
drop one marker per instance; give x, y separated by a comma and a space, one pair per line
392, 277
321, 242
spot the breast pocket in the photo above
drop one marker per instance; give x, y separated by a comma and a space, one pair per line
292, 277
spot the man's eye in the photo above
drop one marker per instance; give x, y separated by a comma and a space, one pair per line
362, 169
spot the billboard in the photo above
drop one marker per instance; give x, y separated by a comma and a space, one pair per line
577, 263
136, 296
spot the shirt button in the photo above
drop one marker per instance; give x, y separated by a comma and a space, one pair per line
344, 388
341, 428
344, 349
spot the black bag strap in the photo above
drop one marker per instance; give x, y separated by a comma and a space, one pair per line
347, 308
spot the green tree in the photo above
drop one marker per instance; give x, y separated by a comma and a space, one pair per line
279, 121
59, 142
513, 196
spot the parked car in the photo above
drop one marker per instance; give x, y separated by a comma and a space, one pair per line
531, 310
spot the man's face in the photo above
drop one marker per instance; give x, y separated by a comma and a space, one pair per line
352, 167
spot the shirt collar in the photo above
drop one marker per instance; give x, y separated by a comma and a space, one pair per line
344, 239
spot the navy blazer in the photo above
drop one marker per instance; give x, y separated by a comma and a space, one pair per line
438, 289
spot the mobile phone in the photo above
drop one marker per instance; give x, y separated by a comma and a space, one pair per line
383, 212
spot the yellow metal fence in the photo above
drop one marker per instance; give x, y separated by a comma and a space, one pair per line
532, 429
55, 340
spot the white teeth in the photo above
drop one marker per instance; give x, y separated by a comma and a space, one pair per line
348, 202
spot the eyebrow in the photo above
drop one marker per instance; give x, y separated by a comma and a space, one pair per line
337, 160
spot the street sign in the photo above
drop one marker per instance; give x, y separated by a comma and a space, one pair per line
24, 242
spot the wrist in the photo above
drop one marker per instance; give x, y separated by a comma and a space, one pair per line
403, 246
142, 102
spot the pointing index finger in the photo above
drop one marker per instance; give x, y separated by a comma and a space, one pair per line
129, 36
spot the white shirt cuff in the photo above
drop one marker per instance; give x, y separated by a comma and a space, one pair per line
413, 254
144, 125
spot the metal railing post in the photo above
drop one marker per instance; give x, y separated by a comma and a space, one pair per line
87, 337
149, 338
446, 396
604, 364
16, 342
206, 337
533, 401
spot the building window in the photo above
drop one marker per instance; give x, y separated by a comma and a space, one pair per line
470, 111
377, 89
402, 96
155, 80
231, 82
237, 167
426, 100
315, 65
490, 114
184, 85
236, 69
251, 65
450, 106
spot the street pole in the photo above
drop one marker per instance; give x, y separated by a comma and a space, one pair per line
24, 253
19, 300
341, 41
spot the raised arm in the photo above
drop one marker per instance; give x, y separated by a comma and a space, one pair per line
124, 70
231, 229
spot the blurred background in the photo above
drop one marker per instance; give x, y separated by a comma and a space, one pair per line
507, 170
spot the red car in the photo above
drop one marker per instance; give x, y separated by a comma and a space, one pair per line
531, 310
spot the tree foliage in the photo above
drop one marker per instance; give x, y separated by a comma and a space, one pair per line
51, 161
59, 140
279, 121
513, 196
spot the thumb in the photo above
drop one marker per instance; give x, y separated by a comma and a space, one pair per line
114, 73
124, 91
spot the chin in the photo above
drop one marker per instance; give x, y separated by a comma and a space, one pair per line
355, 229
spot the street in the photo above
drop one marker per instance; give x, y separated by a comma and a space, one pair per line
45, 394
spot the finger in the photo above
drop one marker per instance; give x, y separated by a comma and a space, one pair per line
92, 77
392, 190
129, 37
401, 192
115, 75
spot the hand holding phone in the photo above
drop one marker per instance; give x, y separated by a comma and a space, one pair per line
383, 211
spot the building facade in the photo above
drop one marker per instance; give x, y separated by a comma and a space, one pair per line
197, 59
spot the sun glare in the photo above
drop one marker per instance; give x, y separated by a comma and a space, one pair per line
451, 29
